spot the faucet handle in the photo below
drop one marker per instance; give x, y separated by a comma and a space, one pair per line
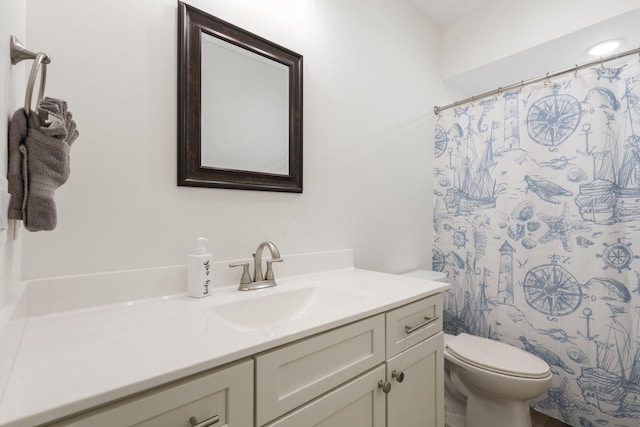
269, 274
246, 277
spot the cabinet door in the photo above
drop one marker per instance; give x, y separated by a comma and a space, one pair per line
358, 403
295, 374
418, 400
226, 393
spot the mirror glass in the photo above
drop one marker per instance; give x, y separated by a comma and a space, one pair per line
240, 108
240, 87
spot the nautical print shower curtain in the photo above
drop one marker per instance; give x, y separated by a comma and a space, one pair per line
537, 225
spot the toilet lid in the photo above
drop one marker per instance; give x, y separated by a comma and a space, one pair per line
428, 275
496, 357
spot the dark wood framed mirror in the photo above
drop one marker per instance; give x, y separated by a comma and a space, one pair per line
239, 107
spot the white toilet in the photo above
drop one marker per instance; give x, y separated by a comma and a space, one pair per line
488, 383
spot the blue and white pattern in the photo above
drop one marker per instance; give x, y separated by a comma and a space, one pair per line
537, 224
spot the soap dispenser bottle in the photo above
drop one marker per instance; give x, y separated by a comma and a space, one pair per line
200, 271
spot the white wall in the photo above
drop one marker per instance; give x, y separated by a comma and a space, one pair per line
371, 78
12, 21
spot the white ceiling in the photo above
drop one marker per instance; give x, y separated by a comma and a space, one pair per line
444, 12
558, 54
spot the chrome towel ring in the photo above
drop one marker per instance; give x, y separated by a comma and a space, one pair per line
19, 53
38, 61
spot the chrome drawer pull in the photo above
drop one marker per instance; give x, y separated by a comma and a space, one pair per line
427, 321
206, 423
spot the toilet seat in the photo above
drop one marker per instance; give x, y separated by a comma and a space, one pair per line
496, 357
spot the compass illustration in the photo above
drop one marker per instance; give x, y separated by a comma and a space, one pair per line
617, 256
552, 290
441, 140
553, 118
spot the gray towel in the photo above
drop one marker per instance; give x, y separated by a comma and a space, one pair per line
46, 153
47, 161
39, 162
56, 120
17, 134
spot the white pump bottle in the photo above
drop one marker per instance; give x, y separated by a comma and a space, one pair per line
200, 271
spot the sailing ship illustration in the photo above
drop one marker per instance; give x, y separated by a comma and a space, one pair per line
614, 193
468, 305
474, 187
613, 385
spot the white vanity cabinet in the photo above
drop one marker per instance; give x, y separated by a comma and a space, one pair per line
387, 370
223, 394
383, 371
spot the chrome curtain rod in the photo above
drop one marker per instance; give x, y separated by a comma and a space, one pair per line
523, 83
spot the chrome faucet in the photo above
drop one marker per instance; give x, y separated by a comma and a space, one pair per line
259, 281
257, 261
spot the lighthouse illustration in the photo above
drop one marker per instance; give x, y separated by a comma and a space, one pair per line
511, 121
505, 279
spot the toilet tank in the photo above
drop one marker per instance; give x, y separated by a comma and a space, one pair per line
436, 276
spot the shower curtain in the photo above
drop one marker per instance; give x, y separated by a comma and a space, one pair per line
537, 225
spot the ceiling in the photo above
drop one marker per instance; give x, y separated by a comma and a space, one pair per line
558, 54
444, 12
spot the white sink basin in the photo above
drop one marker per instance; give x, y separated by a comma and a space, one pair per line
269, 310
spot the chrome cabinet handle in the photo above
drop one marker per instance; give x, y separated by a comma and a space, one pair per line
427, 321
385, 386
398, 375
206, 423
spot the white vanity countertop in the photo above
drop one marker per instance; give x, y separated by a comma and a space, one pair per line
72, 360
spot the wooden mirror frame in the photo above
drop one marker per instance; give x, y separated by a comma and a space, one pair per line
191, 172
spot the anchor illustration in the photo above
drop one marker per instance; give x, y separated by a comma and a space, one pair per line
587, 315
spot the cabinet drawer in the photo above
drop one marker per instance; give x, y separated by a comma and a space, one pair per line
412, 323
358, 403
225, 392
295, 374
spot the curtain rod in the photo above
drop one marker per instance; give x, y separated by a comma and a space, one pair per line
601, 61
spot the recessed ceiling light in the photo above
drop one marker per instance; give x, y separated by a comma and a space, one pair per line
604, 48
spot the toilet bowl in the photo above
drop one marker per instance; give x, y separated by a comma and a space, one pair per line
488, 383
491, 382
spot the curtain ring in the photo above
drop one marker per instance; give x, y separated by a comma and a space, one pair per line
37, 62
602, 64
575, 73
546, 80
